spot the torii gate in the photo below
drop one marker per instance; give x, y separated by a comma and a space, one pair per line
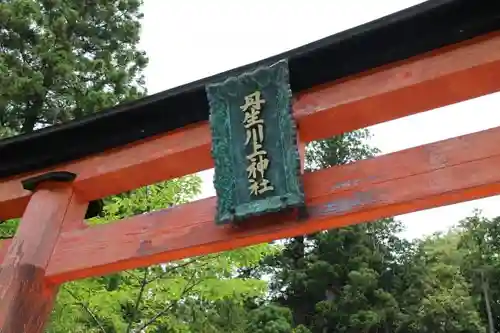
428, 56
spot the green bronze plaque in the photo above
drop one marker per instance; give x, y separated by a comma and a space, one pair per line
254, 144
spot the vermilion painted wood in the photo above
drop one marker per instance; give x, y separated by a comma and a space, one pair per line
4, 247
73, 222
26, 298
428, 81
450, 171
75, 214
436, 79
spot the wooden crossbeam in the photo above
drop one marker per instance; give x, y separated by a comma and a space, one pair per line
445, 172
453, 74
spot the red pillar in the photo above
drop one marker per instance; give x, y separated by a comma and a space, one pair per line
26, 298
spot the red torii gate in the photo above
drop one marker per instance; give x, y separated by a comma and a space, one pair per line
440, 52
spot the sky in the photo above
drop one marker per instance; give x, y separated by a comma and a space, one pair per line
191, 39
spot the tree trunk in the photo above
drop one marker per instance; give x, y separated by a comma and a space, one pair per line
485, 287
29, 123
31, 115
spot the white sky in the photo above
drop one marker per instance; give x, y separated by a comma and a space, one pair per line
191, 39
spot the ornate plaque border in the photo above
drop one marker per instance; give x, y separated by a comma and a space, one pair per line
274, 80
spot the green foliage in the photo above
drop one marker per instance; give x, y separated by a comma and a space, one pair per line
341, 149
158, 298
61, 60
64, 59
435, 295
301, 329
270, 319
336, 280
365, 278
149, 198
480, 245
6, 132
8, 228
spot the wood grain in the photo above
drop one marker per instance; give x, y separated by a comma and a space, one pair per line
4, 248
432, 80
445, 172
26, 297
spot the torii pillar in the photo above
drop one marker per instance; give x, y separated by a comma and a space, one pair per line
26, 297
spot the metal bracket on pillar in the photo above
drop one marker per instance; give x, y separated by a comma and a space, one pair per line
30, 184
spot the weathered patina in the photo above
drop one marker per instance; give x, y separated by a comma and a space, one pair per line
254, 144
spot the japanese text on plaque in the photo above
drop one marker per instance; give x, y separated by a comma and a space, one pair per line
258, 161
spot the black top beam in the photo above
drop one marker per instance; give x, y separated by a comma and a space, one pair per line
422, 28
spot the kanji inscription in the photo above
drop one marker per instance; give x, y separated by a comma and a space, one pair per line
254, 144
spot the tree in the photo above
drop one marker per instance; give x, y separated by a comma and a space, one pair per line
480, 241
338, 150
270, 319
338, 280
434, 294
343, 282
365, 278
61, 60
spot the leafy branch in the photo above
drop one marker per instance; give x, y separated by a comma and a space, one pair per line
188, 288
182, 265
138, 300
87, 309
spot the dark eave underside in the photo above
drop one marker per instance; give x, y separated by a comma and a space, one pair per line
422, 28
